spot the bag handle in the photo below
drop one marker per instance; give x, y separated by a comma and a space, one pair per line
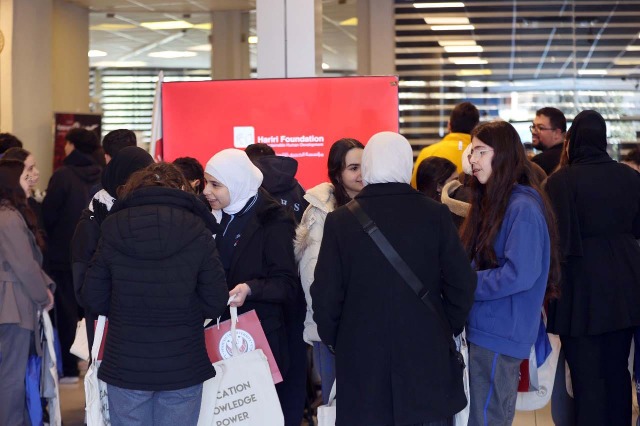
332, 394
97, 338
402, 268
234, 321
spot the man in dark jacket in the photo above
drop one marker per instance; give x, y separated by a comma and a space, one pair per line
67, 195
394, 361
279, 180
547, 133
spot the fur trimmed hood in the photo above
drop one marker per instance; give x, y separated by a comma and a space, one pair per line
457, 207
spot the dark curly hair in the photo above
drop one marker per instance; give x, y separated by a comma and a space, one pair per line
165, 175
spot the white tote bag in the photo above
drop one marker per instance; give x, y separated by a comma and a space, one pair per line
462, 417
327, 413
242, 393
95, 390
546, 374
80, 346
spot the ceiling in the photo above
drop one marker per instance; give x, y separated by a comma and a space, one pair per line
115, 29
522, 39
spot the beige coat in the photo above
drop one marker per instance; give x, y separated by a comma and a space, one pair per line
307, 246
23, 283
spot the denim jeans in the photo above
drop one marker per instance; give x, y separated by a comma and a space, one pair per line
136, 408
325, 363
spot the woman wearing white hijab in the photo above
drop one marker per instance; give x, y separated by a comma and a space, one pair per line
393, 362
255, 244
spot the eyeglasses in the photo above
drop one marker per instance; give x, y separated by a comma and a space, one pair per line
478, 153
534, 128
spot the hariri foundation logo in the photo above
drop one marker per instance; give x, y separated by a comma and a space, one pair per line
244, 340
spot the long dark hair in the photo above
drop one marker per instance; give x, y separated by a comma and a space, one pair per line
433, 171
336, 164
489, 201
12, 194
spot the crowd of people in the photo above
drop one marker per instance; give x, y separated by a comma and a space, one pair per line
364, 279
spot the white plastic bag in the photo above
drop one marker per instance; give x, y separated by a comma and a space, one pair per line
462, 418
95, 390
80, 346
546, 374
327, 413
242, 392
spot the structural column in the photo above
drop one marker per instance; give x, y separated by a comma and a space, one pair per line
289, 38
376, 37
229, 45
43, 68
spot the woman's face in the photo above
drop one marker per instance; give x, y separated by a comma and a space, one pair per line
480, 159
216, 193
24, 181
33, 174
351, 176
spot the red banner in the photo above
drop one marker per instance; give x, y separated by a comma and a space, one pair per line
300, 118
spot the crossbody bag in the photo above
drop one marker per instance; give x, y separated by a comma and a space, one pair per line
404, 270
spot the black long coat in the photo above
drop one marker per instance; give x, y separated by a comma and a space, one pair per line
156, 275
264, 260
597, 205
393, 362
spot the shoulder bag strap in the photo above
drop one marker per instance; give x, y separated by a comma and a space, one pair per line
399, 265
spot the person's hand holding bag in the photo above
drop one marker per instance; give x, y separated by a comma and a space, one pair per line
240, 291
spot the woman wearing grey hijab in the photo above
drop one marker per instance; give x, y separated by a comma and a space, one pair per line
393, 359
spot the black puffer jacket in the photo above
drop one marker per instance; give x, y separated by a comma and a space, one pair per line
157, 276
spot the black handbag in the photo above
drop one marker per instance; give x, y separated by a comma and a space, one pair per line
403, 269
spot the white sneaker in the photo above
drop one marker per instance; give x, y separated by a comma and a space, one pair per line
69, 380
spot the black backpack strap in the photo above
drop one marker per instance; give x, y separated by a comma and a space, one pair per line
402, 268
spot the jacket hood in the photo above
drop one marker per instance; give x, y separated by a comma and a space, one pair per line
527, 190
321, 196
279, 173
156, 223
588, 137
83, 166
126, 162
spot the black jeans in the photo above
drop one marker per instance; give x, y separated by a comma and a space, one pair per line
66, 316
600, 377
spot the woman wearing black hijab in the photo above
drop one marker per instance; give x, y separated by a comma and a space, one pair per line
597, 204
87, 233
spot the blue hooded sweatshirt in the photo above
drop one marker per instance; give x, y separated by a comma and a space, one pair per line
506, 313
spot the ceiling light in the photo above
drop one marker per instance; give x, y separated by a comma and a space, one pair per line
125, 64
457, 43
447, 20
97, 53
111, 27
627, 61
252, 39
172, 54
633, 48
465, 73
167, 25
325, 66
413, 83
438, 5
351, 22
463, 49
592, 72
205, 26
452, 27
468, 61
200, 48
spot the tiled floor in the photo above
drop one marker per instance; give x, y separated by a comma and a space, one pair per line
72, 399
